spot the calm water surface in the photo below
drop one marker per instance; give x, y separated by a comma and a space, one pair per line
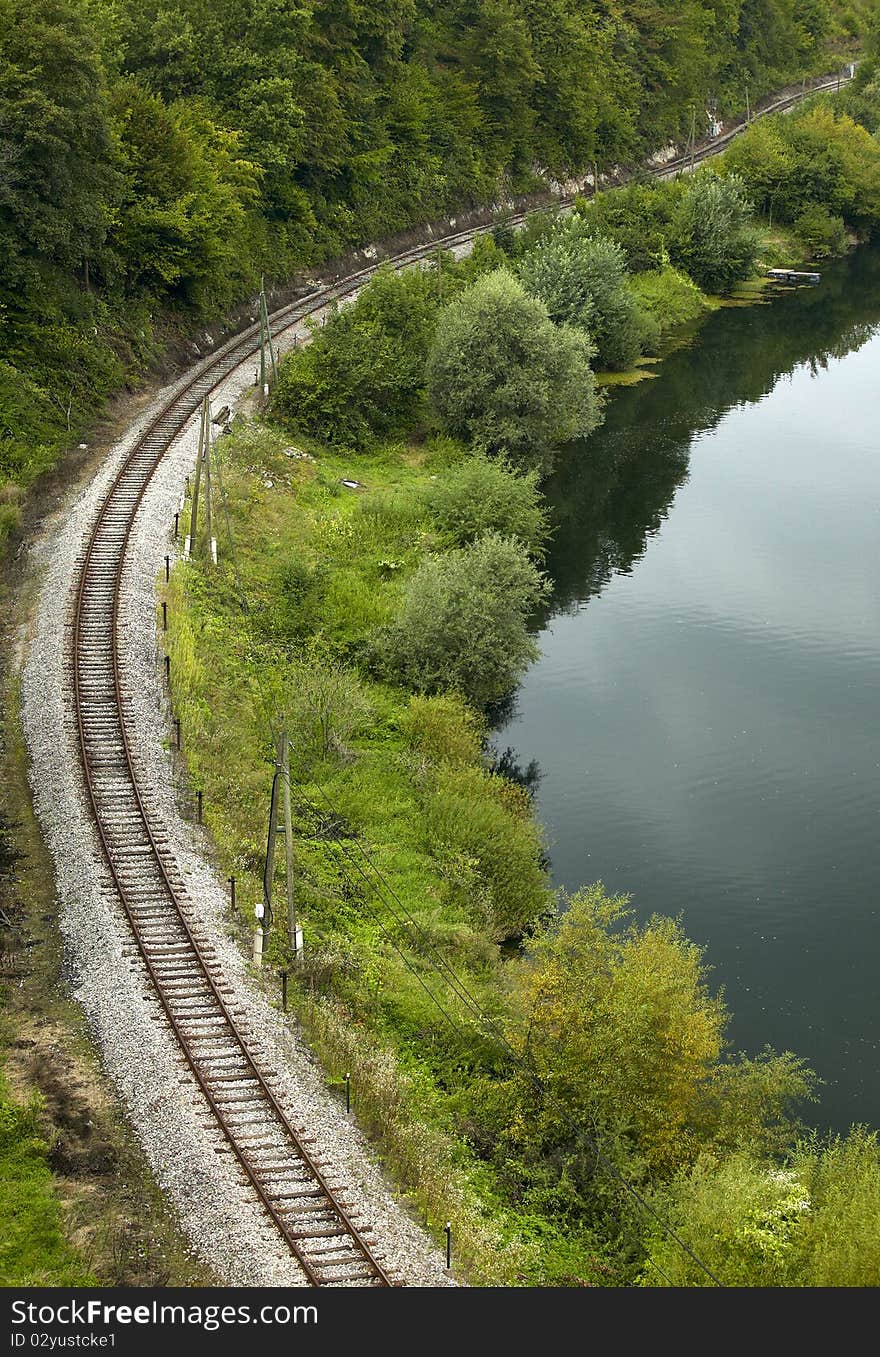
705, 715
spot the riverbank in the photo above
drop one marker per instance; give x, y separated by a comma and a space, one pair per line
419, 867
395, 808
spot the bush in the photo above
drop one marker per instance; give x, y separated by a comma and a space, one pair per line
362, 376
582, 281
462, 621
822, 233
638, 217
811, 1223
501, 374
481, 495
301, 593
838, 1243
670, 297
714, 239
491, 854
815, 158
443, 729
620, 1027
738, 1215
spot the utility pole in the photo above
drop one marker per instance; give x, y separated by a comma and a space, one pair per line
294, 933
203, 463
266, 344
748, 110
693, 132
280, 781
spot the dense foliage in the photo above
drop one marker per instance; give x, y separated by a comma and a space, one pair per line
811, 1222
481, 495
462, 621
502, 375
817, 170
363, 375
164, 154
582, 279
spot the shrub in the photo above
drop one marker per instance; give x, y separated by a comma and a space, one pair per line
838, 1243
443, 729
638, 217
470, 824
714, 239
501, 374
362, 376
481, 495
822, 233
670, 297
812, 1222
620, 1027
738, 1215
582, 281
815, 158
301, 592
462, 621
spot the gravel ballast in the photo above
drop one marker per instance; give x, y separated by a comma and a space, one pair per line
217, 1208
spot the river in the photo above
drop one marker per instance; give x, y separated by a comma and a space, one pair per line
704, 717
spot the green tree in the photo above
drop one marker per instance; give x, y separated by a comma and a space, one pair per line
182, 214
462, 621
619, 1026
814, 159
582, 280
56, 173
713, 236
638, 217
501, 374
363, 374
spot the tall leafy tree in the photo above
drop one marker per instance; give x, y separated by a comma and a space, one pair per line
56, 172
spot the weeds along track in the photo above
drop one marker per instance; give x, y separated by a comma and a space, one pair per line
278, 1161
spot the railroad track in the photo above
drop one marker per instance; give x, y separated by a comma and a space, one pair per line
282, 1167
279, 1161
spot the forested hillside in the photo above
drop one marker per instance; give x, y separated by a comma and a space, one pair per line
162, 153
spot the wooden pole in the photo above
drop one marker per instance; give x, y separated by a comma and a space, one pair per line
293, 932
207, 454
194, 514
269, 869
262, 343
272, 362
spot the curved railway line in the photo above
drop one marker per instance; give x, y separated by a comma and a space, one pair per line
280, 1162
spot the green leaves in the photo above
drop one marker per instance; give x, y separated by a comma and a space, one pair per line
462, 621
713, 237
363, 374
501, 374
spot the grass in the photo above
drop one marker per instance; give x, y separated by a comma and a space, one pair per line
323, 566
34, 1249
